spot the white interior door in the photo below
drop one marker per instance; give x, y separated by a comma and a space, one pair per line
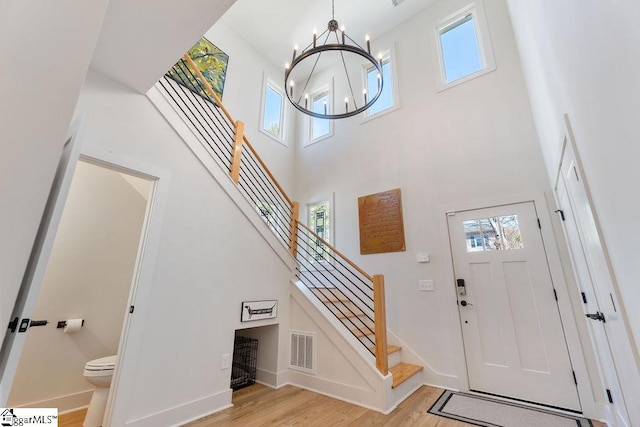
513, 336
607, 329
21, 317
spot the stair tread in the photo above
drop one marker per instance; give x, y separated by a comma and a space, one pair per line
330, 294
402, 372
349, 315
359, 333
390, 348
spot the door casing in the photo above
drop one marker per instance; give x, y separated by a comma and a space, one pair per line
585, 391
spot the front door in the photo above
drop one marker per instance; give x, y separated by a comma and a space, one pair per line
513, 337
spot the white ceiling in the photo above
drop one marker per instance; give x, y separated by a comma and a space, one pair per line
140, 40
273, 27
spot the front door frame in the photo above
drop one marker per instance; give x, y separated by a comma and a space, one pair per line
549, 227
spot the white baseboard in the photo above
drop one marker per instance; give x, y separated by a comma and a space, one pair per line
272, 379
183, 414
368, 398
67, 403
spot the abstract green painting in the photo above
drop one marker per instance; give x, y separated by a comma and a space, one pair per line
212, 63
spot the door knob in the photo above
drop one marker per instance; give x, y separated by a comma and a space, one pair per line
464, 303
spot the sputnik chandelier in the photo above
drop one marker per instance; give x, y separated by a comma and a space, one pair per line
333, 41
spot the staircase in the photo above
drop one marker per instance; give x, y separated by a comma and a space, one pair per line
334, 284
362, 327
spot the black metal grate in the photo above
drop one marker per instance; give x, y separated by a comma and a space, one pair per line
245, 358
334, 279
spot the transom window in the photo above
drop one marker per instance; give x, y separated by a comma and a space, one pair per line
460, 50
272, 112
463, 45
493, 234
320, 104
385, 101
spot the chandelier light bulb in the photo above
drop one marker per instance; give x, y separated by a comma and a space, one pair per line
324, 103
368, 39
364, 93
315, 36
306, 100
343, 33
291, 88
286, 66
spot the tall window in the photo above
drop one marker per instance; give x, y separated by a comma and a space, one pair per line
385, 101
463, 45
273, 112
320, 104
320, 223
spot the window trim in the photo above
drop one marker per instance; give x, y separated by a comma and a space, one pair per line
309, 140
268, 83
476, 10
390, 56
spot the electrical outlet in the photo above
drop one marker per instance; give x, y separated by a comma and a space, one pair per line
425, 285
225, 361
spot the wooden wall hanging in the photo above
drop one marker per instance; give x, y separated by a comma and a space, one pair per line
381, 224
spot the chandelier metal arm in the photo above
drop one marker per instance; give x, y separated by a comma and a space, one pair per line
334, 47
340, 46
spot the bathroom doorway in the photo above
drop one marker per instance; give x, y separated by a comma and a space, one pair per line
89, 276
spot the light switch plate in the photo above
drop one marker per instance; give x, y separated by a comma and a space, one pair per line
423, 257
425, 285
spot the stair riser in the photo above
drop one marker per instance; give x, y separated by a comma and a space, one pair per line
395, 358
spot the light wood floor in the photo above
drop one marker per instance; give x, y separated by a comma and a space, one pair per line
72, 419
259, 405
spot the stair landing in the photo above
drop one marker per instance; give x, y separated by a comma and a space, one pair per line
402, 372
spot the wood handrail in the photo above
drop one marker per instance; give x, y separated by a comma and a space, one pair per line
226, 112
380, 326
266, 169
324, 242
207, 87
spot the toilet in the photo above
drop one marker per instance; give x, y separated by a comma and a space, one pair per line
98, 372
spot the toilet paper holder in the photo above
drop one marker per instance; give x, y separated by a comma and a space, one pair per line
63, 323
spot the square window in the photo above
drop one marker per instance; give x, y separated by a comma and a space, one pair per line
272, 112
385, 101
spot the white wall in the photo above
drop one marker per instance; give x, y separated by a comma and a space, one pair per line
579, 59
45, 49
208, 259
469, 146
89, 277
243, 98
